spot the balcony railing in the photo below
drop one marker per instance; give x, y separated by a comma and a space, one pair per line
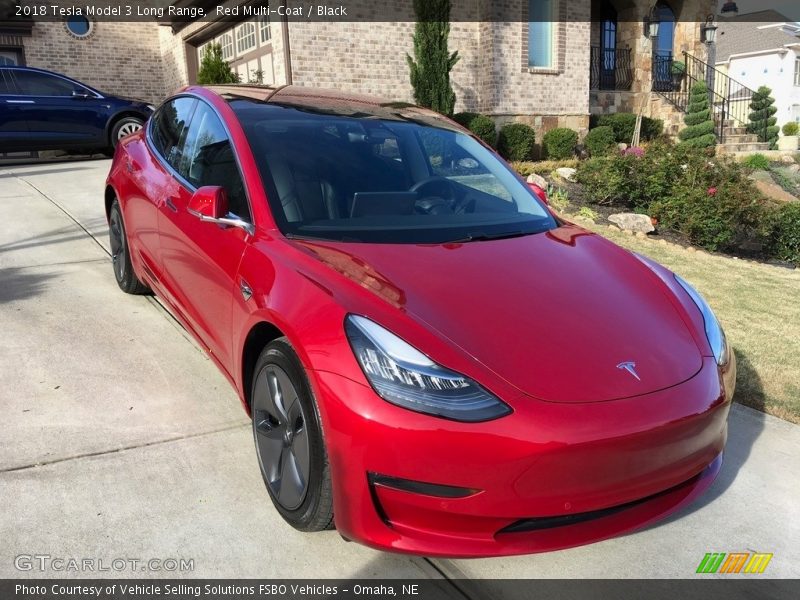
610, 69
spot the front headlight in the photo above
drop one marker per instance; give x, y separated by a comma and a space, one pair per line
714, 332
402, 375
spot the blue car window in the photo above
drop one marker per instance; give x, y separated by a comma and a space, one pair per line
32, 83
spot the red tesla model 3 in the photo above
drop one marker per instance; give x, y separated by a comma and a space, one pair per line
429, 355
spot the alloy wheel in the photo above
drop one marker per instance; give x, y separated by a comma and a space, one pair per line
118, 249
281, 436
128, 128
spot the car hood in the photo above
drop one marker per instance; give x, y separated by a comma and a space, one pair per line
555, 314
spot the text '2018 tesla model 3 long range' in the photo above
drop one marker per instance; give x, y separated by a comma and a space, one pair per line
426, 351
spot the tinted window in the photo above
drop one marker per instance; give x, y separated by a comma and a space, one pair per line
208, 159
168, 127
5, 83
362, 177
32, 83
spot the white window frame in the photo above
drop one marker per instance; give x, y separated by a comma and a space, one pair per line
226, 42
264, 31
245, 37
554, 33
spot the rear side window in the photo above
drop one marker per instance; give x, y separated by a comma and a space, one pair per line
208, 159
6, 87
168, 129
31, 83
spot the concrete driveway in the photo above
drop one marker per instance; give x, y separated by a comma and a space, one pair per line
121, 440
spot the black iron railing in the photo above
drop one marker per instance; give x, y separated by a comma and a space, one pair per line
610, 69
729, 99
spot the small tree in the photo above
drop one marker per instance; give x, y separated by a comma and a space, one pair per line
214, 69
762, 117
699, 130
430, 68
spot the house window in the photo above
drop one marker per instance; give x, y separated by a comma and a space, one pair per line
245, 37
797, 71
263, 28
226, 41
541, 33
201, 52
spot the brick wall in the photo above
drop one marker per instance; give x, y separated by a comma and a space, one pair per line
118, 58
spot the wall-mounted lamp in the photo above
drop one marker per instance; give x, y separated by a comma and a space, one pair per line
708, 31
651, 24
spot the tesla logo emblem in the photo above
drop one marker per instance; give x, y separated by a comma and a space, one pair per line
630, 367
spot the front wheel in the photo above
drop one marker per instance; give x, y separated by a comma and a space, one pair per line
288, 438
123, 128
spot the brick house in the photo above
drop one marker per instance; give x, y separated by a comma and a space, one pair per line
544, 62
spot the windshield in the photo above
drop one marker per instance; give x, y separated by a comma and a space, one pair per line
365, 179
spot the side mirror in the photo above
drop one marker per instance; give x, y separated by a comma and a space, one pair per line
209, 201
210, 204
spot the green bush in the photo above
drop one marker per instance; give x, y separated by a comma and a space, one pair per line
516, 141
762, 117
600, 140
783, 241
623, 125
791, 128
711, 202
214, 69
480, 125
757, 162
559, 143
700, 129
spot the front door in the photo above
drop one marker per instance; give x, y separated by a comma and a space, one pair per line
200, 259
663, 48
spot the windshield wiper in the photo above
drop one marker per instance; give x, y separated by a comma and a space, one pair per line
483, 237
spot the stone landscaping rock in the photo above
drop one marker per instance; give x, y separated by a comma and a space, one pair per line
632, 222
567, 173
774, 191
537, 180
786, 159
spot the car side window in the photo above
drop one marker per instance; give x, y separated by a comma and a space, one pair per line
6, 86
31, 83
209, 160
168, 129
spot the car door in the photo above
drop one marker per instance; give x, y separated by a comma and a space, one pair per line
13, 129
201, 259
60, 112
151, 166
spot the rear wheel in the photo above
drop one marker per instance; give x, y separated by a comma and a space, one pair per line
120, 254
288, 439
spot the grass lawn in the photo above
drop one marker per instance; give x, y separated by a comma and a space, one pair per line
759, 307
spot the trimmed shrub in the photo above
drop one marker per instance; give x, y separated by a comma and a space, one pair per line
623, 125
480, 125
791, 128
214, 69
783, 241
600, 140
713, 203
762, 117
430, 67
699, 130
559, 143
757, 162
516, 141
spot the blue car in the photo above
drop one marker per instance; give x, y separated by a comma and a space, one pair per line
40, 110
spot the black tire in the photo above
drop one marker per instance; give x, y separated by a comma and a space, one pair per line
120, 254
286, 425
124, 127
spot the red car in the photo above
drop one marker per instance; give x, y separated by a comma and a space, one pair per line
427, 352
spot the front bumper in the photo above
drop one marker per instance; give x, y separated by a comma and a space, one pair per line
547, 477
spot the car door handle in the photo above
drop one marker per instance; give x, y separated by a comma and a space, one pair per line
171, 204
20, 102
